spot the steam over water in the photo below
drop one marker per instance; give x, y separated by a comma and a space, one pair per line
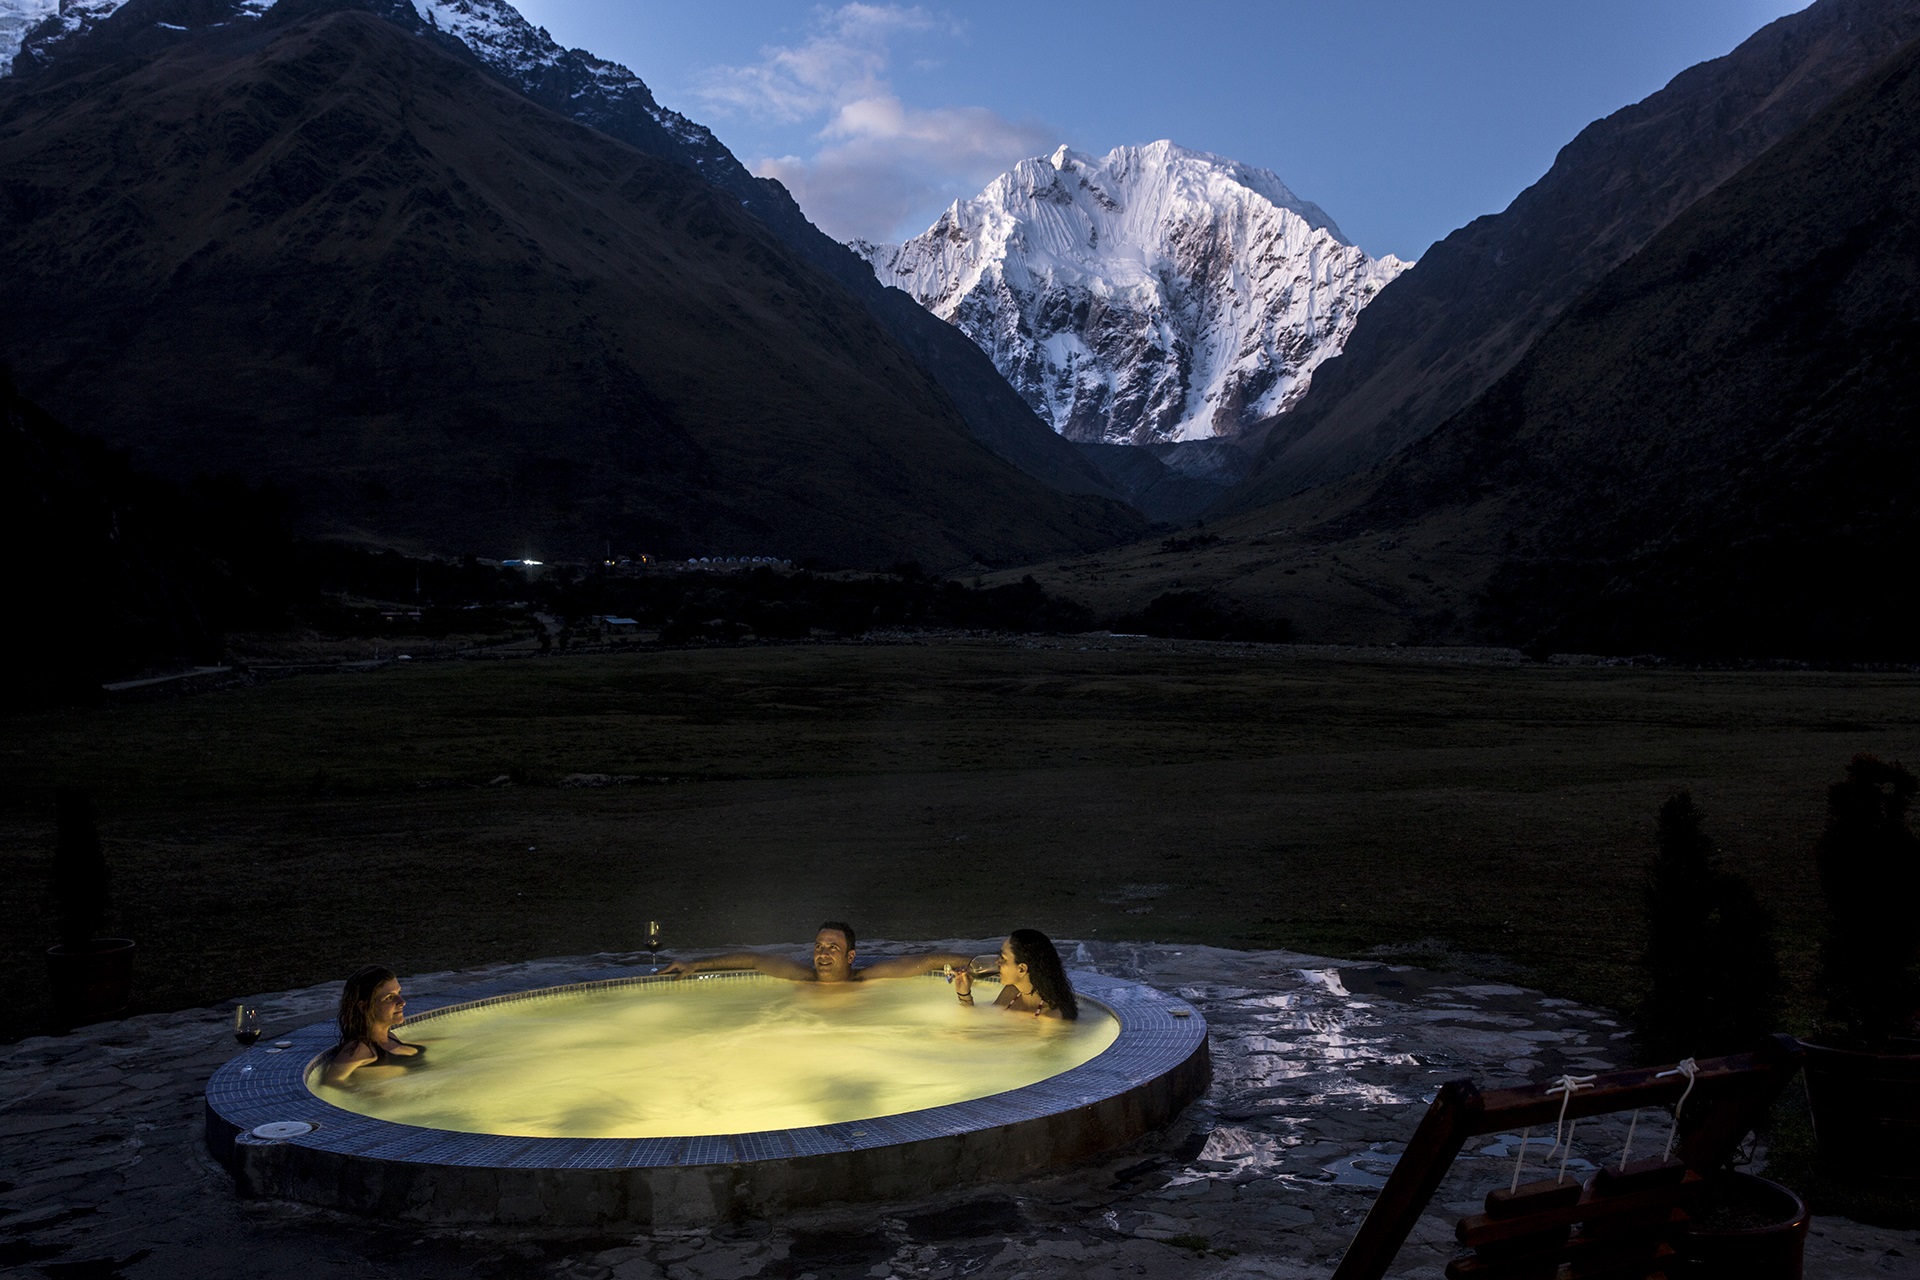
730, 1055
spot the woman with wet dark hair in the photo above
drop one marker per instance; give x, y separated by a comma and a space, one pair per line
371, 1006
1032, 979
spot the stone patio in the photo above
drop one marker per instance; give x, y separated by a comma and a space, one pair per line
1321, 1070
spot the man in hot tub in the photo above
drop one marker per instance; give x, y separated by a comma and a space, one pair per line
832, 961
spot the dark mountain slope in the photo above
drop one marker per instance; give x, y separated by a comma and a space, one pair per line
1715, 452
333, 255
1445, 331
611, 99
993, 410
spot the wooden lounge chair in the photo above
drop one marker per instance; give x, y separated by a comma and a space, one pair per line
1619, 1224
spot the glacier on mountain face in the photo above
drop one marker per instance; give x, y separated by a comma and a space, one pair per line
36, 27
19, 18
1152, 295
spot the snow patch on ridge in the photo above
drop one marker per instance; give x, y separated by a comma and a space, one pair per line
505, 41
1154, 294
495, 31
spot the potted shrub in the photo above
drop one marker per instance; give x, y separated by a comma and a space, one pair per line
1863, 1060
1713, 985
1713, 982
1744, 1228
92, 976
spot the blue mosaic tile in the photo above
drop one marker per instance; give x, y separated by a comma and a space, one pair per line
596, 1153
772, 1144
815, 1142
708, 1149
651, 1153
545, 1153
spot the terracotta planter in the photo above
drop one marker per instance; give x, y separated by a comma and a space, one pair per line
1866, 1111
92, 982
1748, 1229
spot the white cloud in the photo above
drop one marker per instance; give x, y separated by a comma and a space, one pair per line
846, 56
877, 163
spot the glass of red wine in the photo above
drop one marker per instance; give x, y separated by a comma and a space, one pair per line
653, 942
246, 1024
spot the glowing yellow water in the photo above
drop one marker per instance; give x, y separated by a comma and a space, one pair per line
732, 1055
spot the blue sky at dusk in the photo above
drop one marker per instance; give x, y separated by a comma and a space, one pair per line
1402, 118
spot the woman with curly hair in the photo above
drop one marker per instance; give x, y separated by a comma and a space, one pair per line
371, 1006
1032, 979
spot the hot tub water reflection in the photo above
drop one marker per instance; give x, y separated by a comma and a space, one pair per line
732, 1053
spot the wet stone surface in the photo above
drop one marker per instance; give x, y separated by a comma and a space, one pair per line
1321, 1071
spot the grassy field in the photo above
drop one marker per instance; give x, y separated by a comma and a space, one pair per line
1470, 813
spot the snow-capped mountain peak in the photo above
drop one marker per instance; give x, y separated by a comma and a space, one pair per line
1152, 294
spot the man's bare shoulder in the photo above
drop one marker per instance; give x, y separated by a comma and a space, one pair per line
786, 967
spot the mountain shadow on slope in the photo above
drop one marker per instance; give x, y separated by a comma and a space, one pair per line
1445, 331
1713, 454
1151, 485
334, 256
117, 572
608, 98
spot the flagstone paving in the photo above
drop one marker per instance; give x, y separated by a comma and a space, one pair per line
1321, 1071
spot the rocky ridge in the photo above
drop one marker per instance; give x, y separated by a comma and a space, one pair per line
329, 250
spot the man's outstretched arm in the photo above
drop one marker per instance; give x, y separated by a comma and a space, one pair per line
914, 966
774, 966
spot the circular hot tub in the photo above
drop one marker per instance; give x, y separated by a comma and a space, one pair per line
650, 1137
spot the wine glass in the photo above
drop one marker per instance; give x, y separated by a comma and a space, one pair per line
987, 966
653, 942
246, 1024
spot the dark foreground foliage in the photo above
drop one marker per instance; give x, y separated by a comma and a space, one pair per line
81, 896
1870, 879
1713, 982
116, 570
